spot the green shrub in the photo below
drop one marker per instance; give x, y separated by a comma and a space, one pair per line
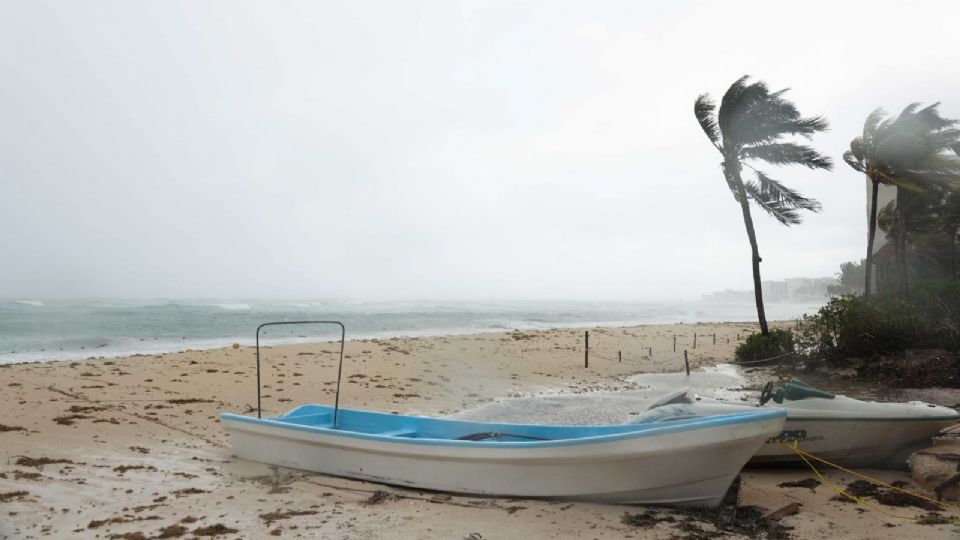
858, 327
758, 346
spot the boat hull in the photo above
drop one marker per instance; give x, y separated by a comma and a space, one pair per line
860, 442
843, 430
690, 464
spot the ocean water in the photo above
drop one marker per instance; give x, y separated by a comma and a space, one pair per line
36, 330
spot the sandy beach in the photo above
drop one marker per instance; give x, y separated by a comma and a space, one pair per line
133, 448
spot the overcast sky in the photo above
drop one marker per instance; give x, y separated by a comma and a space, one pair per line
437, 150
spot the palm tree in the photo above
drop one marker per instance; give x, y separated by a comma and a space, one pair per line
911, 151
751, 125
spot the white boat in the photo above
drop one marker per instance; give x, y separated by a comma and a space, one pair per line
834, 427
690, 461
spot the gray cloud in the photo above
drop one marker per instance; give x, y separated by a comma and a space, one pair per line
381, 150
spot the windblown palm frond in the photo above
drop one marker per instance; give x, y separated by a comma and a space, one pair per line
788, 154
853, 159
871, 125
779, 201
916, 150
754, 116
750, 125
703, 110
731, 102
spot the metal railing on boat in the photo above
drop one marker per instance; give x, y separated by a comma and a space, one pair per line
343, 334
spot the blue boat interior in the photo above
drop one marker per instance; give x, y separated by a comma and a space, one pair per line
367, 424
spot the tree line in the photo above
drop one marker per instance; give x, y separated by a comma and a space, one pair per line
917, 151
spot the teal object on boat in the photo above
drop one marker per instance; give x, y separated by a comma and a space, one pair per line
795, 390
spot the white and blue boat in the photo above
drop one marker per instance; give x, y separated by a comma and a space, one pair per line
689, 461
838, 428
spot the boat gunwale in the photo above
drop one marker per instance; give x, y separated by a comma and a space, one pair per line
642, 431
955, 418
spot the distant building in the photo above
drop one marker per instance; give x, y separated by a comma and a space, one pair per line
787, 290
885, 195
729, 295
774, 290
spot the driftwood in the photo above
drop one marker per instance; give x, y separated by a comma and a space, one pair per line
781, 513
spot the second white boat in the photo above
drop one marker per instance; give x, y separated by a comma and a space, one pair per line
834, 427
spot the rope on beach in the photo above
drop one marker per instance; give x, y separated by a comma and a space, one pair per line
593, 354
788, 353
659, 361
600, 356
807, 457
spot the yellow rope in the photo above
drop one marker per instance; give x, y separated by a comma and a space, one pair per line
824, 480
804, 455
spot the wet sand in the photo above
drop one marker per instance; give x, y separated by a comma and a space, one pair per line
137, 447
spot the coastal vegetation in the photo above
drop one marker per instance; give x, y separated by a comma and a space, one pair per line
911, 289
750, 126
916, 151
756, 347
901, 342
850, 279
905, 296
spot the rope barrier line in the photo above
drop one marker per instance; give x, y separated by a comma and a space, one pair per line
806, 457
735, 362
765, 359
592, 354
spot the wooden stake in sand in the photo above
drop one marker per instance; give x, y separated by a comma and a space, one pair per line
586, 349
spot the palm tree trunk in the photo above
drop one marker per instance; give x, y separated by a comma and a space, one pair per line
953, 260
752, 235
902, 257
872, 227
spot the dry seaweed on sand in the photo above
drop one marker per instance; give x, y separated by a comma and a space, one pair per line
5, 428
934, 518
728, 519
120, 469
128, 536
380, 496
21, 475
68, 420
187, 401
97, 523
703, 523
270, 517
648, 518
80, 409
13, 496
883, 495
810, 483
213, 530
26, 461
189, 491
172, 531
